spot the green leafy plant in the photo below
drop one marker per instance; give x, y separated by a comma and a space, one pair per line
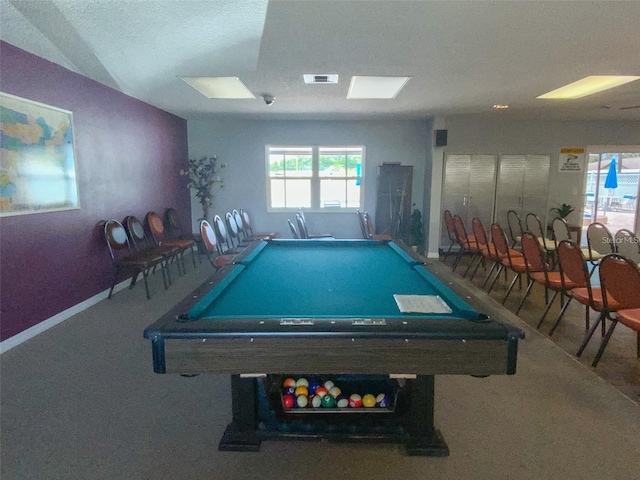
202, 175
417, 230
564, 210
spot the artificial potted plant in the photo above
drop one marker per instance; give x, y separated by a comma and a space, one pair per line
417, 231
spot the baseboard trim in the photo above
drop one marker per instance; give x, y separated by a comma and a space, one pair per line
37, 329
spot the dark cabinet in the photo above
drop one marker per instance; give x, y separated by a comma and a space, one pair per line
393, 203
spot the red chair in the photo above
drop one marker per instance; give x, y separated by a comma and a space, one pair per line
487, 249
620, 284
467, 243
451, 233
537, 269
363, 228
631, 318
509, 259
156, 227
125, 260
210, 242
369, 228
575, 278
246, 223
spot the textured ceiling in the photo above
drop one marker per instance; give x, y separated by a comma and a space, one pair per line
464, 56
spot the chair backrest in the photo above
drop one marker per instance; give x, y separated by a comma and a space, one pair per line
232, 228
208, 236
246, 222
302, 227
238, 218
461, 231
620, 282
499, 240
599, 239
155, 225
221, 233
136, 232
117, 239
628, 245
514, 225
292, 227
533, 255
560, 230
448, 223
368, 223
534, 225
479, 233
363, 228
172, 223
573, 265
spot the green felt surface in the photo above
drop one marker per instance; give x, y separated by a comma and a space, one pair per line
324, 279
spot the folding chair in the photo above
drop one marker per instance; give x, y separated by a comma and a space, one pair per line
371, 231
210, 242
600, 242
246, 223
156, 227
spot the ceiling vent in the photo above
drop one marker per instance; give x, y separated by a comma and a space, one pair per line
321, 78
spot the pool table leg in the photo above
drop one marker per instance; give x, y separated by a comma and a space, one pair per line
241, 435
424, 439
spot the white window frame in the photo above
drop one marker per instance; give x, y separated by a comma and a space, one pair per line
315, 179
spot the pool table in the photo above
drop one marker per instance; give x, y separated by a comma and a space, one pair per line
320, 309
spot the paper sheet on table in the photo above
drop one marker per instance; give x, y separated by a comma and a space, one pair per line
421, 304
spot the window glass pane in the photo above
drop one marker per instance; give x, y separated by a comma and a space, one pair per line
276, 164
332, 193
332, 165
298, 165
277, 193
353, 194
298, 193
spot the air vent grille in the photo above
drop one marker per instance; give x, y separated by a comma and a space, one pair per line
321, 78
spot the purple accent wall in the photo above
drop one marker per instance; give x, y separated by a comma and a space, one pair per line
128, 155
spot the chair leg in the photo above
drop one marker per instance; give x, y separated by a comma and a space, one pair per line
526, 294
562, 310
145, 274
590, 334
495, 279
605, 341
448, 252
546, 310
513, 282
493, 266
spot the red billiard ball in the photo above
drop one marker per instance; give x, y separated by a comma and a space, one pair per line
288, 401
355, 401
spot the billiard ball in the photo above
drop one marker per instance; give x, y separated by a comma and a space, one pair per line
302, 401
321, 391
329, 385
313, 386
288, 401
334, 392
302, 382
289, 391
328, 401
382, 400
316, 401
302, 390
369, 400
289, 382
342, 401
355, 401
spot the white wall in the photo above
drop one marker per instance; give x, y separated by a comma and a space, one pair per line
486, 134
241, 145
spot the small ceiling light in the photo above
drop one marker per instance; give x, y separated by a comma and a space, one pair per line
320, 78
375, 87
588, 86
499, 106
219, 87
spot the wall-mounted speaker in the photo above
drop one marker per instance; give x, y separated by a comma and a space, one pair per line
441, 138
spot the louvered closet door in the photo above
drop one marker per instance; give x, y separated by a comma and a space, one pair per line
455, 189
468, 189
482, 189
536, 186
509, 189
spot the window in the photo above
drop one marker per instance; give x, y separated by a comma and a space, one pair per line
316, 178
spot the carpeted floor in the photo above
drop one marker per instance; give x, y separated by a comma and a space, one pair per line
80, 401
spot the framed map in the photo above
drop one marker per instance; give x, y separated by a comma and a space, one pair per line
37, 161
